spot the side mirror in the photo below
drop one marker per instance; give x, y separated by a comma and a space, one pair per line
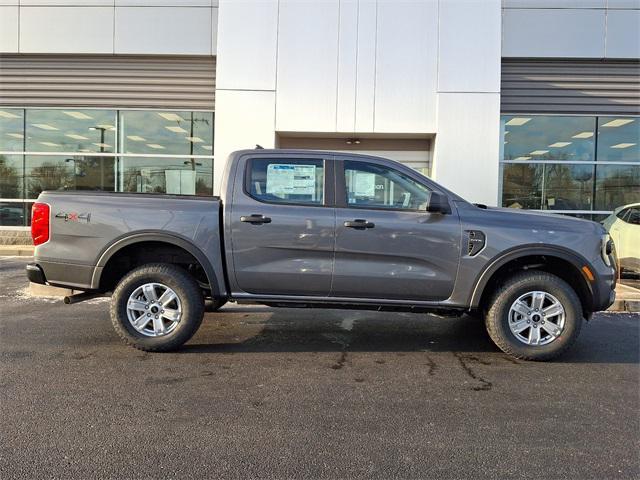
438, 203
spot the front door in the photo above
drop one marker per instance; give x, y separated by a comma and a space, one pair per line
283, 225
387, 245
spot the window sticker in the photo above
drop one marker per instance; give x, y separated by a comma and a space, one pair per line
290, 179
364, 184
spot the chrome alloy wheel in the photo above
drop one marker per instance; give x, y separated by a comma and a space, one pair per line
154, 310
536, 318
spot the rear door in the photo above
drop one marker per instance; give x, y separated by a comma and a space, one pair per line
387, 245
283, 225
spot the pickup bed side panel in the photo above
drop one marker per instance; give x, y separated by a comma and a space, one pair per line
86, 226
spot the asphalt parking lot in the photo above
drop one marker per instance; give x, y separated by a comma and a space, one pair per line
265, 393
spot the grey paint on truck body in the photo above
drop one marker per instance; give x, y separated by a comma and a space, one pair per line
410, 259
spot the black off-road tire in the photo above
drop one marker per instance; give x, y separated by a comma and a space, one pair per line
497, 315
185, 287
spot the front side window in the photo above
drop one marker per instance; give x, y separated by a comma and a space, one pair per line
286, 180
374, 186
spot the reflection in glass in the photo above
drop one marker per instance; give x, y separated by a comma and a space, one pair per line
11, 176
617, 185
179, 176
11, 130
374, 186
13, 214
619, 139
70, 130
539, 137
78, 172
167, 133
522, 185
568, 187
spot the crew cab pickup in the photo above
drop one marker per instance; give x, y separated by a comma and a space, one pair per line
330, 230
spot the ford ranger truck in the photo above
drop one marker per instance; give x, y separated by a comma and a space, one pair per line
330, 230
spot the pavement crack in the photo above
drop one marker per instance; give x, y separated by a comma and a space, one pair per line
431, 364
465, 360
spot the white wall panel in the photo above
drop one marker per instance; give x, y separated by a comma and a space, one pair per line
66, 29
307, 66
8, 29
469, 46
347, 66
406, 66
163, 30
623, 34
467, 145
73, 3
366, 66
623, 4
243, 119
247, 40
577, 33
161, 3
554, 3
214, 30
9, 2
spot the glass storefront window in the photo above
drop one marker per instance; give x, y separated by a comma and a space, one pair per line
68, 172
617, 185
14, 214
167, 133
587, 163
179, 176
152, 151
11, 130
567, 187
70, 130
522, 185
618, 139
538, 138
11, 176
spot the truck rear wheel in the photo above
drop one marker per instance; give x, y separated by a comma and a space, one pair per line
534, 315
157, 307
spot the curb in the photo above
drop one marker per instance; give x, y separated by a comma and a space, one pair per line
632, 306
16, 251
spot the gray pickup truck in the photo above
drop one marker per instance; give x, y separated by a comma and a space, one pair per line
330, 230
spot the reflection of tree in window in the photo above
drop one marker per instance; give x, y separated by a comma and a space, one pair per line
522, 186
50, 176
9, 179
568, 187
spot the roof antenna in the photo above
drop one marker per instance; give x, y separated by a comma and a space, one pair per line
259, 147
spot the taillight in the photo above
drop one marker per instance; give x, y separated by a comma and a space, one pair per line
40, 223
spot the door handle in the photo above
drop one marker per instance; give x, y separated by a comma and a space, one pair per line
255, 219
359, 224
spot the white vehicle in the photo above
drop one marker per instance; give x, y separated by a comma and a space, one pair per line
624, 227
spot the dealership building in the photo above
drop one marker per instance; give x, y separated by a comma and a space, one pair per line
529, 104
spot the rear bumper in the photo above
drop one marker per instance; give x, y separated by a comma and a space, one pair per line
65, 275
35, 274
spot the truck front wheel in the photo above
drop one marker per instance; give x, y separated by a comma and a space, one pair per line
534, 315
157, 307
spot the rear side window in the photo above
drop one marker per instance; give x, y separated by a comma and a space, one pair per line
286, 180
634, 217
622, 214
